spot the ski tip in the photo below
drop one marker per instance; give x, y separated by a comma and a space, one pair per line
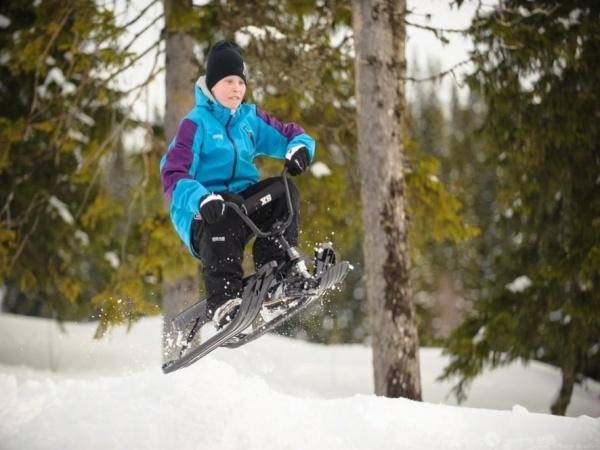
167, 367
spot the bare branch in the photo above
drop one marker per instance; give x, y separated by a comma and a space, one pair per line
141, 32
42, 58
133, 61
141, 13
436, 30
442, 74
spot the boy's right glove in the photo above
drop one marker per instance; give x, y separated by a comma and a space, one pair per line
212, 208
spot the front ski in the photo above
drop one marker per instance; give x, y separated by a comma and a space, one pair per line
327, 278
249, 309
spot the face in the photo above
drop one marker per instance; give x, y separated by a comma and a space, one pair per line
229, 91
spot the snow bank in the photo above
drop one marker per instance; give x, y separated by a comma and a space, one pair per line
65, 391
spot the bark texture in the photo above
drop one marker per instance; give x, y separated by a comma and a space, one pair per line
380, 36
181, 74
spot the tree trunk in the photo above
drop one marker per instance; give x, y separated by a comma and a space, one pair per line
181, 74
380, 36
561, 403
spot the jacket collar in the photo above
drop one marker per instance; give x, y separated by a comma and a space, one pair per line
205, 99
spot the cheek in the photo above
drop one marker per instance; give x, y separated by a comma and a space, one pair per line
219, 94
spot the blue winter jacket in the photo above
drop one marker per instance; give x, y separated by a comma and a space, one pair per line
214, 150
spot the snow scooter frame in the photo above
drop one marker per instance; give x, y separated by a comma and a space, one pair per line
300, 287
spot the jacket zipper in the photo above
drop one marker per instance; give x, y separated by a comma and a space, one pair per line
235, 152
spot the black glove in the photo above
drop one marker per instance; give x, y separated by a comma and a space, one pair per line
233, 198
212, 208
297, 160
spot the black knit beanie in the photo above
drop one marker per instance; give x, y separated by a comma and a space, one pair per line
224, 58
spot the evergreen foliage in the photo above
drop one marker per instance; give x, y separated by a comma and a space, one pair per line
55, 117
537, 70
73, 203
84, 228
442, 170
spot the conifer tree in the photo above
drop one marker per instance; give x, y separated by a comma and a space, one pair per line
58, 121
441, 167
73, 202
537, 70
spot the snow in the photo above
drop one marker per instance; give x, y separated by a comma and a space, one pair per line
519, 284
4, 21
55, 75
113, 259
320, 169
245, 35
63, 390
62, 209
60, 389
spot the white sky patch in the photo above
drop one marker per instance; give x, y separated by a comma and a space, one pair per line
62, 209
519, 284
423, 48
243, 37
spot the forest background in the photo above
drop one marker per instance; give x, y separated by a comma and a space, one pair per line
503, 175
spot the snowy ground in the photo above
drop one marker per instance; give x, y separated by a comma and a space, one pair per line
65, 391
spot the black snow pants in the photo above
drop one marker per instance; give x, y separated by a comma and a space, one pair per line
220, 246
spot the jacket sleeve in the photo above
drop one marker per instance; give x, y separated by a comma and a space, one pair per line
275, 138
178, 166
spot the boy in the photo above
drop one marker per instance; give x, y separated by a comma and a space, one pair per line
210, 162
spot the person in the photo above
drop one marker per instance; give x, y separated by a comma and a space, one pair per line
211, 161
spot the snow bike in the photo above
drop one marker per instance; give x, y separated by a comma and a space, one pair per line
290, 279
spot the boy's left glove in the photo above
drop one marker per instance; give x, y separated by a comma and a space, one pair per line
297, 160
